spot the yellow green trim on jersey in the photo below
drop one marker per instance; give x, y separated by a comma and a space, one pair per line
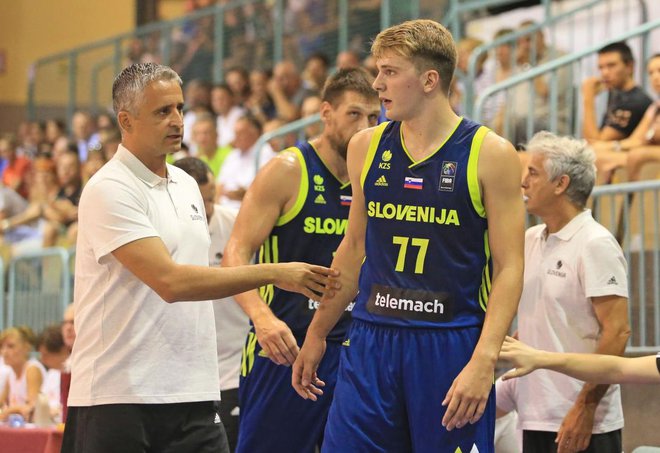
247, 359
343, 184
472, 174
414, 162
371, 152
486, 284
303, 189
268, 253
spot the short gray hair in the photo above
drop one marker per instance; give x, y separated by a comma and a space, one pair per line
129, 85
567, 156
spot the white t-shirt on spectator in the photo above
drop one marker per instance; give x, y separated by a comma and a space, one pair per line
4, 374
239, 169
51, 388
132, 346
231, 323
562, 274
225, 125
18, 393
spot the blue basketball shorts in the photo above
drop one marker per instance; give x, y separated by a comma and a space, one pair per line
274, 418
390, 387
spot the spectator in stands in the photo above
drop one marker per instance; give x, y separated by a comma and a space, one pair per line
95, 160
464, 49
105, 121
62, 214
55, 130
197, 99
347, 59
642, 146
68, 328
231, 323
286, 90
197, 59
316, 71
84, 132
11, 203
241, 164
282, 141
26, 375
260, 104
205, 139
53, 353
311, 106
223, 102
369, 63
533, 51
626, 102
16, 168
574, 299
238, 80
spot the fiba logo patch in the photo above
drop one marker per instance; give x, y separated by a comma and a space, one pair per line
447, 176
449, 168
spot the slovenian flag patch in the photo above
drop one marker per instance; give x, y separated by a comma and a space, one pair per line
345, 200
413, 183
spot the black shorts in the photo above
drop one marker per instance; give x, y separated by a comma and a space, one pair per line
544, 442
145, 428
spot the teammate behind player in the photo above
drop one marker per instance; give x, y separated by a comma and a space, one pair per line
296, 209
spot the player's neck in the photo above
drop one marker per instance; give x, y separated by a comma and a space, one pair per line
330, 157
429, 128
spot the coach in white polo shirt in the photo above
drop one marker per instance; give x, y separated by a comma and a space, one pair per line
144, 369
574, 299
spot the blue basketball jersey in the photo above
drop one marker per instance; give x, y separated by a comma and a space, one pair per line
427, 256
310, 232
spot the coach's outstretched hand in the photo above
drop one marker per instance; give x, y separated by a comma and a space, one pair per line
307, 279
467, 397
304, 379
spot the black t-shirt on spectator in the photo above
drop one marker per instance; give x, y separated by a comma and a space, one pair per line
625, 109
74, 198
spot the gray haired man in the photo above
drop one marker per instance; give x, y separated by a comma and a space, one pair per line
574, 299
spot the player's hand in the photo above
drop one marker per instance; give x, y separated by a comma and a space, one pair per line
467, 397
307, 279
521, 356
276, 339
592, 86
575, 431
304, 379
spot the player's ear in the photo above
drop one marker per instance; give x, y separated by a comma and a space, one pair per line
430, 80
325, 110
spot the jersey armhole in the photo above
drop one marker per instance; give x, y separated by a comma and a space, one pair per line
472, 174
371, 152
302, 190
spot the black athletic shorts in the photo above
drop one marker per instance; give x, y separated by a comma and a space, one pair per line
145, 428
544, 442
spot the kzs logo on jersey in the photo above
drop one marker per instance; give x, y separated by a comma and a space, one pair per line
385, 157
447, 176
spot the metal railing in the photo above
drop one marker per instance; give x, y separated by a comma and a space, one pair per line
557, 112
632, 212
39, 288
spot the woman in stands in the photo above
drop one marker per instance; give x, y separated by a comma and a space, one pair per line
643, 145
25, 376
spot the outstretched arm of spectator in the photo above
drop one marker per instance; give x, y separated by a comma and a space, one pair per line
591, 87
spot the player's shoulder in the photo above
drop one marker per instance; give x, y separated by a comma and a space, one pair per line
497, 146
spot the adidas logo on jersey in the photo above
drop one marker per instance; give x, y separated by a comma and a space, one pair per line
382, 182
612, 281
319, 199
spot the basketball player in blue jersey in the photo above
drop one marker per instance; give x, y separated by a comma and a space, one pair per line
435, 233
296, 209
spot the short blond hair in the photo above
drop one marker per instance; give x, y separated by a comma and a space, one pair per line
427, 43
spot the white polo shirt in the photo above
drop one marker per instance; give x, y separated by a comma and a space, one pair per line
562, 273
132, 346
231, 323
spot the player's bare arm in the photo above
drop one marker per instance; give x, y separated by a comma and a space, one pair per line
499, 177
348, 261
271, 194
599, 368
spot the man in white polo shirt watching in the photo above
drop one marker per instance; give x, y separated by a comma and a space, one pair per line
144, 368
574, 299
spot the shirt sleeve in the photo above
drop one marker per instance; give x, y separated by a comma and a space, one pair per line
112, 214
603, 268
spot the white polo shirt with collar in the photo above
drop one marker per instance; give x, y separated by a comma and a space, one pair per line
563, 271
132, 346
